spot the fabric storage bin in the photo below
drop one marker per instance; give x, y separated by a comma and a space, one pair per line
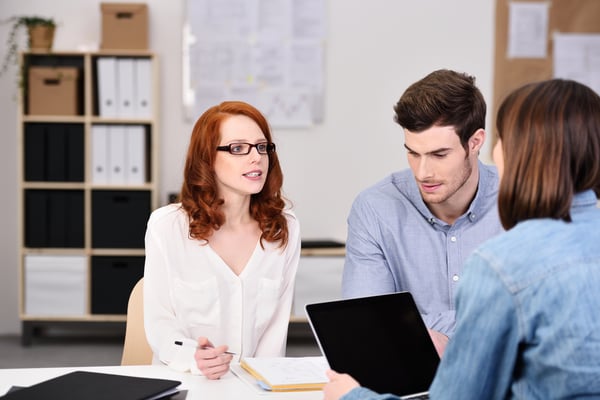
55, 285
113, 277
119, 218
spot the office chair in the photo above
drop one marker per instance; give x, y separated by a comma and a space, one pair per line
136, 350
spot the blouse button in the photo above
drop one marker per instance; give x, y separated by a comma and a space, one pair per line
455, 278
453, 239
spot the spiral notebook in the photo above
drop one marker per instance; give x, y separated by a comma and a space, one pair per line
285, 374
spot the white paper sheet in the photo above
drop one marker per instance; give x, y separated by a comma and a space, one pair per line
528, 30
577, 57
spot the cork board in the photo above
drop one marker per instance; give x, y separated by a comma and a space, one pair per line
565, 16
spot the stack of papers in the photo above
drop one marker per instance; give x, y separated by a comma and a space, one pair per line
283, 374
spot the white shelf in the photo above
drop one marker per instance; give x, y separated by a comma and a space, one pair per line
88, 106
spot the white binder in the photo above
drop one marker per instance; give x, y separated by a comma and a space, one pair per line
135, 159
143, 88
125, 88
100, 154
107, 86
116, 154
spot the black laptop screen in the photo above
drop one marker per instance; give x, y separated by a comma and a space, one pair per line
380, 340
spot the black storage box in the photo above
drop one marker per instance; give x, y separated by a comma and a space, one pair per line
119, 218
112, 280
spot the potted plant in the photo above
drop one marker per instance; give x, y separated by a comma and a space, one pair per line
40, 33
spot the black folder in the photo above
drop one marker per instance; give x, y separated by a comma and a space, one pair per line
35, 152
36, 215
56, 140
75, 153
96, 386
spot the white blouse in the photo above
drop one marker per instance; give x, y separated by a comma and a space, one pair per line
189, 291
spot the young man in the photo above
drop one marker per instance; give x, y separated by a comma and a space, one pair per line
413, 230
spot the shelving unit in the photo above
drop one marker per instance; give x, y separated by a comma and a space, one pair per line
81, 242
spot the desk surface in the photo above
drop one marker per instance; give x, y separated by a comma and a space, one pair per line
228, 387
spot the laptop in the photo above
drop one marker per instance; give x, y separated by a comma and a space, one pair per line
380, 340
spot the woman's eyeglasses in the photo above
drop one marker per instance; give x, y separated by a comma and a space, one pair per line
240, 149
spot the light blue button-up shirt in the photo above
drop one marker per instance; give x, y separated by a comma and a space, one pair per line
396, 244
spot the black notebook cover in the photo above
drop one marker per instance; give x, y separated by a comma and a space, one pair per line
96, 386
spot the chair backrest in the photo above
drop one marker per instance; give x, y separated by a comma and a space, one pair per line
136, 350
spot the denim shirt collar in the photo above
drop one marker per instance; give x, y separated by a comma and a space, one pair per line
584, 199
582, 202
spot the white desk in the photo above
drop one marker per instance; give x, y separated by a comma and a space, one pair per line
228, 387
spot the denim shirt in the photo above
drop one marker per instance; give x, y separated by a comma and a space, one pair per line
396, 244
527, 315
527, 311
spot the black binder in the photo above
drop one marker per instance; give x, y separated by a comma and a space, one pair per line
96, 386
35, 152
56, 142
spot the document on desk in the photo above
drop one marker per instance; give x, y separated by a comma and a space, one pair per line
96, 386
285, 374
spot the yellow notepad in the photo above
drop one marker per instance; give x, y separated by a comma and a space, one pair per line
284, 374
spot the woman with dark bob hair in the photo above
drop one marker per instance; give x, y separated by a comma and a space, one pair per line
527, 323
221, 264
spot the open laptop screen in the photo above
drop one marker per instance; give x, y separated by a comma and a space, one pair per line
380, 340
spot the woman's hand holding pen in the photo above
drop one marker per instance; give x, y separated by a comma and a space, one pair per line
212, 361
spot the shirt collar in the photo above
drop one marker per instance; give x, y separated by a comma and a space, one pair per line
584, 199
487, 190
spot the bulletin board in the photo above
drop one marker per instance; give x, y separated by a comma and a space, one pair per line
565, 16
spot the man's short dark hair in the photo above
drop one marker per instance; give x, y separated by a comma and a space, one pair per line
442, 98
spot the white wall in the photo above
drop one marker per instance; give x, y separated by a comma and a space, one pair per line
375, 49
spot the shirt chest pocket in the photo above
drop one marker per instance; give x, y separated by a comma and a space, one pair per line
267, 302
197, 303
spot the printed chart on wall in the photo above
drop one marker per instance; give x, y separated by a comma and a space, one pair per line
269, 53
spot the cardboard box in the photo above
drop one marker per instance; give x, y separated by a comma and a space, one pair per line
53, 91
124, 26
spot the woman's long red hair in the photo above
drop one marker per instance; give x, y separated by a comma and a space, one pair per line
199, 196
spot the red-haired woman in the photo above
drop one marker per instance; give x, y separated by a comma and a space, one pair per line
221, 265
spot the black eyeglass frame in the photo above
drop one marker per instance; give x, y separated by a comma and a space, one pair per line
269, 148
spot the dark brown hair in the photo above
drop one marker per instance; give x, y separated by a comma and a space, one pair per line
199, 195
443, 98
550, 135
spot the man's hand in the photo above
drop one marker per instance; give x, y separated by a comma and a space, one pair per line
440, 341
339, 385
